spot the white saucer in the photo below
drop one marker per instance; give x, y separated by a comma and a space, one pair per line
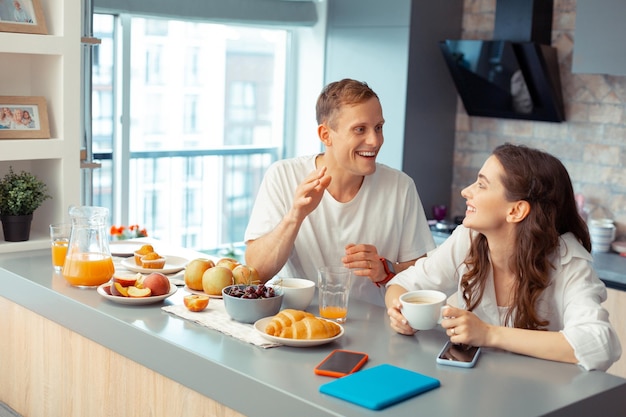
172, 264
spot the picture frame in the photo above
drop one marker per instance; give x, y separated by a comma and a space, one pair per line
22, 16
23, 117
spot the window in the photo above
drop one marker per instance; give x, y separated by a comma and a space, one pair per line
204, 105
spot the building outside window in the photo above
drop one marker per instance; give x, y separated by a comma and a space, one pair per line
205, 110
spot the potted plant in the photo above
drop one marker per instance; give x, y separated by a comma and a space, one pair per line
20, 195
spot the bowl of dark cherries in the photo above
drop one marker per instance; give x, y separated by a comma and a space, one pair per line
249, 303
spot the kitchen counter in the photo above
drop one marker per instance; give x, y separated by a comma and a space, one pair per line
280, 381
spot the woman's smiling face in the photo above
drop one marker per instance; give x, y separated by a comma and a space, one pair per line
487, 206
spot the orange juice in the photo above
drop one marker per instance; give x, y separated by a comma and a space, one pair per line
333, 312
88, 269
59, 250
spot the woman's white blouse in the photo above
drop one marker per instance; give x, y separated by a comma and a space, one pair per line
572, 303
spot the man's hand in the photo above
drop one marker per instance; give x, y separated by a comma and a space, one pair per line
309, 193
364, 261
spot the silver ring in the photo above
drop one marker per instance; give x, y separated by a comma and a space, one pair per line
369, 265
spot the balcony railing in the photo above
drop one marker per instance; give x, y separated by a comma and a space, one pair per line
200, 199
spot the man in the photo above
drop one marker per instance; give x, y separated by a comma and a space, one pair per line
339, 207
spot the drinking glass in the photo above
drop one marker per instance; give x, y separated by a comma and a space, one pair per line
59, 241
334, 290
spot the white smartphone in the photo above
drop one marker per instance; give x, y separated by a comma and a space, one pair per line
453, 354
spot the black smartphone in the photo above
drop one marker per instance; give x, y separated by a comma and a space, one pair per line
341, 362
461, 355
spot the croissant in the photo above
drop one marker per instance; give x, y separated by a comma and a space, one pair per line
285, 319
311, 328
296, 324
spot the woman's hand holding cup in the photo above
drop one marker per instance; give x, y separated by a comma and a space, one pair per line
422, 309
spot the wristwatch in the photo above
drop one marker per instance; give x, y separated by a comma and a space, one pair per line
389, 270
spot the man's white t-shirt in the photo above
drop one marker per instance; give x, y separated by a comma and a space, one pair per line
386, 213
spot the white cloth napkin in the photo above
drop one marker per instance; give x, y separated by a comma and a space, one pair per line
215, 317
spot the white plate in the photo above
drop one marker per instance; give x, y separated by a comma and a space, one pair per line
261, 324
201, 292
124, 249
172, 264
135, 301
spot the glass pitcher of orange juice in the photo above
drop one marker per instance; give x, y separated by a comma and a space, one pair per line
88, 262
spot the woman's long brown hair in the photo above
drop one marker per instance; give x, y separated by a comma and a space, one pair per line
540, 179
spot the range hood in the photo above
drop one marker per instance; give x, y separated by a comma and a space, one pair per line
514, 76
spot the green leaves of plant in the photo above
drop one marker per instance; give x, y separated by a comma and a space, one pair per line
21, 194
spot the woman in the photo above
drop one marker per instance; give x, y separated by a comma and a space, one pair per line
6, 117
520, 265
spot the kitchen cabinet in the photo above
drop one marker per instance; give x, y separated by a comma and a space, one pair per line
48, 66
598, 38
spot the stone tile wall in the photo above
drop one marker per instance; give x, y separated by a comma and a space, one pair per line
591, 142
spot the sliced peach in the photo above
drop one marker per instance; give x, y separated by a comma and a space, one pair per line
119, 290
126, 280
135, 292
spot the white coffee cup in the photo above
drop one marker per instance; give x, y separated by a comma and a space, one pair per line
422, 308
602, 233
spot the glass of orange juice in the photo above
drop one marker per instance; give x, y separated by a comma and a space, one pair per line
334, 291
59, 240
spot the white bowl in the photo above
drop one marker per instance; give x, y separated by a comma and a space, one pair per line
297, 292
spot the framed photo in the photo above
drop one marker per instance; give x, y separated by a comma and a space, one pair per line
23, 16
23, 118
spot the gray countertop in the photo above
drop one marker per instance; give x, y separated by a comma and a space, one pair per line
256, 381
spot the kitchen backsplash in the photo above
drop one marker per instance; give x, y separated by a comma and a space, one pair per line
591, 142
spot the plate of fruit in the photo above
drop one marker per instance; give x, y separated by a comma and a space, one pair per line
172, 265
137, 289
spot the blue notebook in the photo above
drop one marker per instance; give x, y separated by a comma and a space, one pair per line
380, 386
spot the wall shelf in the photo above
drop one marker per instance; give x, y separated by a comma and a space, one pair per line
48, 66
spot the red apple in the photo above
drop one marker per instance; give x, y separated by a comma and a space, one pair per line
196, 302
158, 283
